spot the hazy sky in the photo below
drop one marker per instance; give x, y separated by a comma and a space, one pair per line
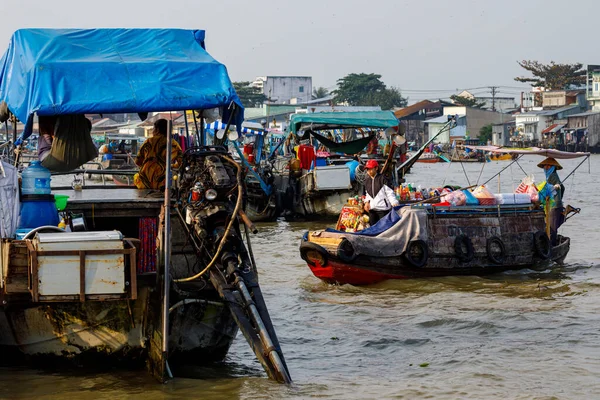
427, 48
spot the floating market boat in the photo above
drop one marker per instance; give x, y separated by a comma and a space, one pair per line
427, 240
428, 158
158, 277
319, 186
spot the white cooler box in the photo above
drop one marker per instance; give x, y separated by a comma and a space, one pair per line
57, 274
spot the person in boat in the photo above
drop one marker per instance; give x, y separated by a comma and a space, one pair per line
152, 158
46, 136
557, 217
379, 197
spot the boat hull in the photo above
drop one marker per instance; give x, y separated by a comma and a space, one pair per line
428, 160
96, 333
362, 272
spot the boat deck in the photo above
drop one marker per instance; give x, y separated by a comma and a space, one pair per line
120, 195
114, 202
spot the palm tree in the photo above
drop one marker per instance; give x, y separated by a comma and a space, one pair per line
319, 93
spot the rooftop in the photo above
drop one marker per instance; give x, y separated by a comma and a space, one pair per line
412, 109
584, 114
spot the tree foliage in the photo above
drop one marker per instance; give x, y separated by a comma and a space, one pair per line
367, 90
485, 133
319, 93
553, 76
466, 101
250, 96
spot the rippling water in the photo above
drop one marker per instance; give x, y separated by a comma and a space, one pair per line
519, 334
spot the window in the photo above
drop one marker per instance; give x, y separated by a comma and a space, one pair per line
596, 87
301, 89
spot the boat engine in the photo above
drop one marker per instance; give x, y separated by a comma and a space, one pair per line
207, 191
210, 196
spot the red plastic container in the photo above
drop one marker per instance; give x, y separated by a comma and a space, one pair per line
306, 155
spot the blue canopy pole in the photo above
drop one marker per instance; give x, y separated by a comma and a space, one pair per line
259, 142
266, 188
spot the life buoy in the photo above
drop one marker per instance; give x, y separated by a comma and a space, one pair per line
345, 251
496, 251
463, 247
541, 245
312, 252
417, 253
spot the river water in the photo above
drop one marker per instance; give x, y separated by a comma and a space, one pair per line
525, 334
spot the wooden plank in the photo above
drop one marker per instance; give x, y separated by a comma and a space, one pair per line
133, 274
82, 276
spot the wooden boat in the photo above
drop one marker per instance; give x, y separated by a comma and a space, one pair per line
461, 241
501, 157
154, 277
428, 158
320, 189
426, 240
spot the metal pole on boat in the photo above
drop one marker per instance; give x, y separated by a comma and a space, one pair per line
196, 126
187, 128
262, 331
167, 248
202, 132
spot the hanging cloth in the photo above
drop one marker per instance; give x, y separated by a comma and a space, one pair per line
351, 147
72, 145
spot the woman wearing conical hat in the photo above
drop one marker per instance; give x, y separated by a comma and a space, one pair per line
550, 166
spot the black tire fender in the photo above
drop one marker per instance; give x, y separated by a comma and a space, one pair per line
541, 245
419, 247
307, 247
345, 251
462, 254
496, 258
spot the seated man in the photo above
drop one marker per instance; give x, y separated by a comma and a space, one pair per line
379, 198
152, 158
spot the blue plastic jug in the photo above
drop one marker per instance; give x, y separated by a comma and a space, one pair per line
36, 179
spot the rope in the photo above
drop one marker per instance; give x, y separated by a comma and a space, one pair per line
480, 172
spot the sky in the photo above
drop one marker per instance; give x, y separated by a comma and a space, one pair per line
426, 48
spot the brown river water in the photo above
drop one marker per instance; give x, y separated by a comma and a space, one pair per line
517, 335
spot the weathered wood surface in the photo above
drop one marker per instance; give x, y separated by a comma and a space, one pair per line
15, 267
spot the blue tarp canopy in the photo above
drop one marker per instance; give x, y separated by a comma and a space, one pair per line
76, 71
339, 120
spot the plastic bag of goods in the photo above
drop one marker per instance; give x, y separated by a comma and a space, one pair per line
484, 196
456, 198
524, 185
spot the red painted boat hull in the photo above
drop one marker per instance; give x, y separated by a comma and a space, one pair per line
427, 160
335, 272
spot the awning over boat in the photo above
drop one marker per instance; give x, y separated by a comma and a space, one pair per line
340, 120
215, 126
75, 71
553, 128
531, 151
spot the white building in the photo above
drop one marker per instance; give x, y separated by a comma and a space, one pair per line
287, 89
435, 125
531, 124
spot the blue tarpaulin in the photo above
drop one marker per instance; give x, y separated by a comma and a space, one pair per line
75, 71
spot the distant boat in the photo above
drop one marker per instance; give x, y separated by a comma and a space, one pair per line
428, 158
